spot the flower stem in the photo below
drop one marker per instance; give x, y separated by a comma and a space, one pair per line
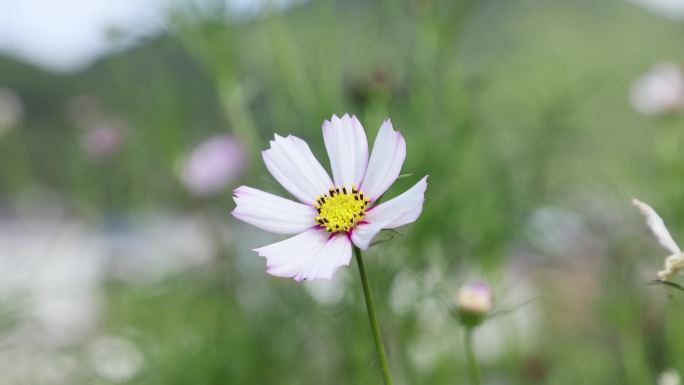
370, 306
473, 368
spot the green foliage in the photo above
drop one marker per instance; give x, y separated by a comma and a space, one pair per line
508, 106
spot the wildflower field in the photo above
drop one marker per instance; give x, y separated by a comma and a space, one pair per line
348, 192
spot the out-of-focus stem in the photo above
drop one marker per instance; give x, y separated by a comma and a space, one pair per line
473, 368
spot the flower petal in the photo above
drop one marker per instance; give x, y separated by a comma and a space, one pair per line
396, 212
364, 233
345, 141
673, 264
294, 166
657, 226
313, 254
271, 212
389, 152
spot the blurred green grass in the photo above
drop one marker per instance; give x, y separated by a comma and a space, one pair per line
507, 105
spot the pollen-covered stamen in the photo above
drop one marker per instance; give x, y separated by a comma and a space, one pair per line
341, 208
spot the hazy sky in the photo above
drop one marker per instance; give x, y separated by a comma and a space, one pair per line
673, 9
65, 35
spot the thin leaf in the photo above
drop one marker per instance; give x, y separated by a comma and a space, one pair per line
453, 312
402, 176
666, 283
394, 231
381, 241
504, 312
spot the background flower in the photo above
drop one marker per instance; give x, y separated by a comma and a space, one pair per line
11, 110
660, 90
212, 164
475, 299
102, 142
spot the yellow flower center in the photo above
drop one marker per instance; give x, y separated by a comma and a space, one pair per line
340, 209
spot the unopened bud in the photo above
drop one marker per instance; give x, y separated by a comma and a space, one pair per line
475, 300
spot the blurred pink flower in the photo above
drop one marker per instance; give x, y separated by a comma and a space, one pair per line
212, 164
102, 142
659, 91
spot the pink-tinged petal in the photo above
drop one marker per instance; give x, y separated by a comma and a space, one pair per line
396, 212
657, 226
402, 209
314, 254
271, 212
389, 152
336, 252
288, 257
294, 166
345, 141
364, 233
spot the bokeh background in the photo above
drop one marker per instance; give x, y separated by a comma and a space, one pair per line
124, 127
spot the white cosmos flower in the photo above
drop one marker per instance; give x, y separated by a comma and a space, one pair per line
331, 213
675, 261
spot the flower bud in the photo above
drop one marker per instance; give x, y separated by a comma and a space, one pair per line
475, 300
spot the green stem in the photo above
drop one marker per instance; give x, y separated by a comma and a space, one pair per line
370, 306
473, 368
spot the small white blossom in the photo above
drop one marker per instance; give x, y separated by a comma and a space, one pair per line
11, 110
669, 377
659, 91
115, 359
